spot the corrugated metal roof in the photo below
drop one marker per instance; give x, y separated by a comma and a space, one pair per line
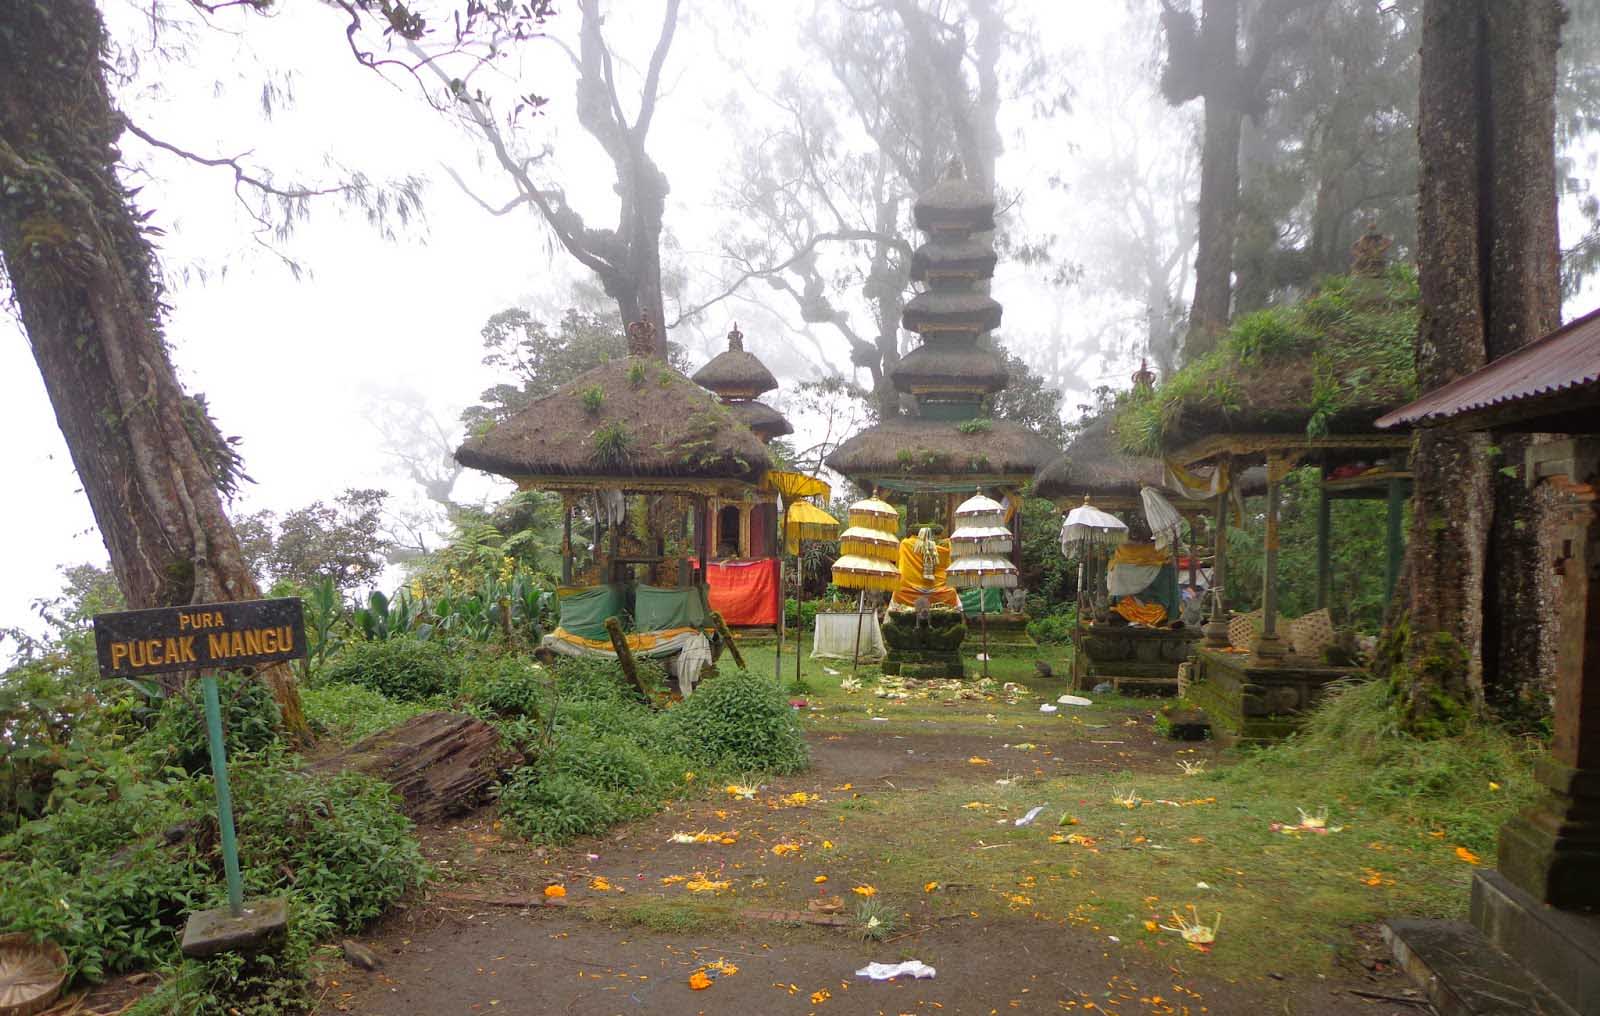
1566, 358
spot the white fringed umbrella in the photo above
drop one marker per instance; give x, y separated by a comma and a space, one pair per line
1087, 529
980, 537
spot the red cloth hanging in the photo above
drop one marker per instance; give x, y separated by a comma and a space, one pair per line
744, 592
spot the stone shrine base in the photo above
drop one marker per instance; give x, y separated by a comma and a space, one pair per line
923, 664
1249, 700
1006, 631
1516, 956
1134, 660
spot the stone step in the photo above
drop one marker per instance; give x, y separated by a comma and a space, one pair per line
1463, 974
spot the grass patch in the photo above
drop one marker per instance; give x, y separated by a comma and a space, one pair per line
672, 915
349, 712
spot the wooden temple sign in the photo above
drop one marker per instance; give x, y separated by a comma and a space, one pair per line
249, 633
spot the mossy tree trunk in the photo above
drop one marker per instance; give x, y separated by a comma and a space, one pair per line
1523, 302
1485, 215
84, 277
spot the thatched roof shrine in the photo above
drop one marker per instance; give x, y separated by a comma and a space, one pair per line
1096, 465
634, 423
906, 453
767, 422
1309, 375
734, 373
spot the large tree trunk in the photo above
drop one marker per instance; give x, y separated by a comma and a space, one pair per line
1524, 302
1486, 236
1206, 64
84, 275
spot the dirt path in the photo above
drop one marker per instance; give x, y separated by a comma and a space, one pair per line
632, 944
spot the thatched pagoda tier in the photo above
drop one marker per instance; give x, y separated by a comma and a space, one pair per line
956, 311
911, 454
936, 371
632, 424
949, 257
735, 373
954, 204
767, 422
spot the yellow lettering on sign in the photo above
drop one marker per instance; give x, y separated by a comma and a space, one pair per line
269, 640
286, 639
136, 654
217, 646
119, 652
186, 649
236, 644
252, 641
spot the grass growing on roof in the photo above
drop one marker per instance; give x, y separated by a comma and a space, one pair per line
1356, 335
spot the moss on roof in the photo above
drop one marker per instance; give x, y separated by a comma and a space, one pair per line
1331, 363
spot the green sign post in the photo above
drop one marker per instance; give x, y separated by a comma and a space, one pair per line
205, 637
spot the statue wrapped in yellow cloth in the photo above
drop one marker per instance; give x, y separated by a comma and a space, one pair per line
1142, 582
923, 562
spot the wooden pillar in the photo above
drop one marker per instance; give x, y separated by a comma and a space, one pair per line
1553, 849
1216, 629
566, 542
744, 529
1269, 646
1324, 546
1396, 538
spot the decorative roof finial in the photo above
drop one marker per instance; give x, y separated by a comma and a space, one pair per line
642, 337
736, 339
1143, 378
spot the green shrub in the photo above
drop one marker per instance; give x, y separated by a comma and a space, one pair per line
555, 809
349, 712
250, 722
807, 613
112, 876
1053, 629
402, 668
741, 722
509, 686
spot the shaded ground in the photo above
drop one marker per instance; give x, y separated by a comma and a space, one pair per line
917, 801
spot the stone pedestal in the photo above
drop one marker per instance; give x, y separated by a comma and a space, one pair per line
1553, 849
1135, 659
1252, 700
924, 647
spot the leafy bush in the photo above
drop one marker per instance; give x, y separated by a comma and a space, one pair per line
349, 712
807, 613
1054, 629
509, 686
403, 669
111, 876
739, 721
557, 808
250, 723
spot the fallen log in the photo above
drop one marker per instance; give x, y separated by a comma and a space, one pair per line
441, 764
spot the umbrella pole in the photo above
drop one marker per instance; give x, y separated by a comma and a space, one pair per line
799, 620
861, 605
983, 620
783, 535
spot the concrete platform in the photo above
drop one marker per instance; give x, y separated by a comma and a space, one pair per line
1517, 956
263, 925
1135, 660
1250, 700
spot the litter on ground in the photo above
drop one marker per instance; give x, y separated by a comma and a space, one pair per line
889, 971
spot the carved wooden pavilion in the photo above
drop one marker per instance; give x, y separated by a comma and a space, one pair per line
1534, 940
1095, 467
1306, 393
627, 428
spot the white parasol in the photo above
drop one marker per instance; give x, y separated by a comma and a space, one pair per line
1087, 529
1164, 521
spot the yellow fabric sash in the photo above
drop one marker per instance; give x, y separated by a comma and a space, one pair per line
912, 584
638, 640
1151, 614
1145, 554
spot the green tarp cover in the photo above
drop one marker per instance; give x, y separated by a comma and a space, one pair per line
657, 609
584, 611
994, 600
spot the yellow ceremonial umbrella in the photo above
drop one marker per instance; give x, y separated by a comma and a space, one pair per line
805, 521
791, 487
869, 550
